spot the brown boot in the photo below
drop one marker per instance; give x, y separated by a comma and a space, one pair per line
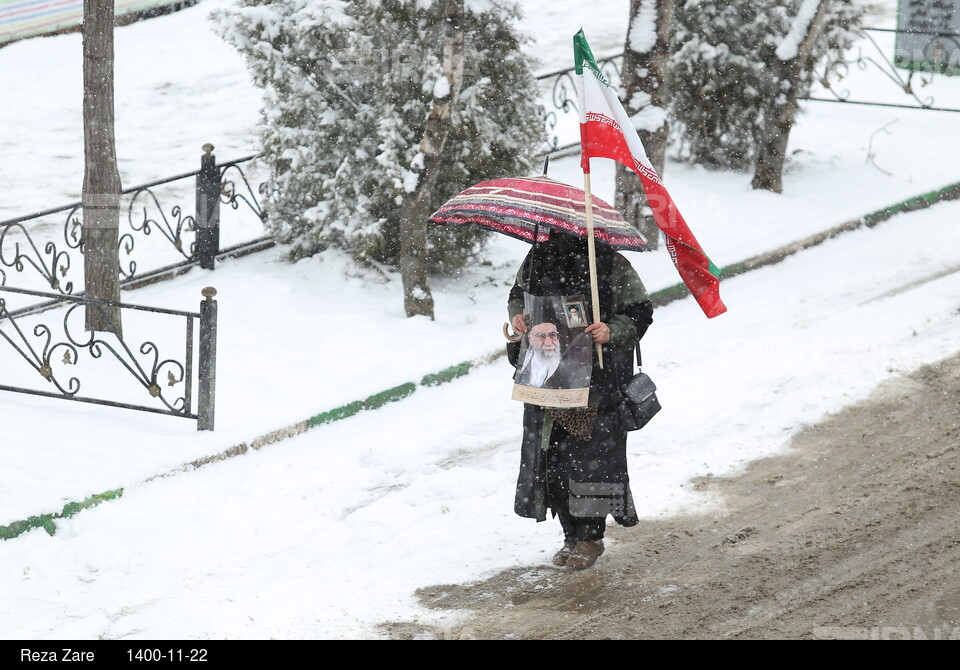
560, 558
585, 554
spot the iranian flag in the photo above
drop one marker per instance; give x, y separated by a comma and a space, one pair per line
607, 132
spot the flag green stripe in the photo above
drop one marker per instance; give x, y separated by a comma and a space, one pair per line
582, 54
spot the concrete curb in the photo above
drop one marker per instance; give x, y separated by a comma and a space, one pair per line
659, 298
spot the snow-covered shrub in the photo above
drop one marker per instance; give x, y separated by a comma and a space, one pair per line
348, 87
720, 76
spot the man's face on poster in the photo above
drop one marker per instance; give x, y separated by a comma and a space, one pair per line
545, 339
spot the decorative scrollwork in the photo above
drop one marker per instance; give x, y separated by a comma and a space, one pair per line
610, 69
42, 361
127, 245
229, 194
47, 263
73, 229
172, 229
549, 121
564, 93
48, 353
146, 371
561, 86
874, 59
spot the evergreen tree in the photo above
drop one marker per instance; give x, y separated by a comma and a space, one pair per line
348, 87
721, 77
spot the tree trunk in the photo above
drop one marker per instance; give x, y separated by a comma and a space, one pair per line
101, 178
781, 108
644, 79
417, 299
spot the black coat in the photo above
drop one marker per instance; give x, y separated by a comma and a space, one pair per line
594, 470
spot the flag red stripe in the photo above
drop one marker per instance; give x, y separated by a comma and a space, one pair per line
686, 253
601, 138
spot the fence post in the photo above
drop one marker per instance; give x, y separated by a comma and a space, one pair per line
208, 209
207, 373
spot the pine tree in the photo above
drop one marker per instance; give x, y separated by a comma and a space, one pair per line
721, 77
348, 87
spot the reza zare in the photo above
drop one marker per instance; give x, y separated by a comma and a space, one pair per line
66, 655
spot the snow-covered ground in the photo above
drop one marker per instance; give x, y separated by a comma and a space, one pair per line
326, 534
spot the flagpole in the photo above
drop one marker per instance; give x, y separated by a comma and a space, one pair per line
588, 208
592, 256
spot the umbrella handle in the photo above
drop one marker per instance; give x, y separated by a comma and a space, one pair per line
512, 338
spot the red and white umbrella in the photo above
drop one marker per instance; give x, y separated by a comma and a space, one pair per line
528, 208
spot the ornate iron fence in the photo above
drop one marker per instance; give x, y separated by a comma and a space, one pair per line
907, 82
42, 252
45, 248
61, 359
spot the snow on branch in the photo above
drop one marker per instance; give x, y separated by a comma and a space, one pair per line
801, 30
643, 28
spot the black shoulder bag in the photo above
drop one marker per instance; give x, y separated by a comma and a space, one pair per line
638, 399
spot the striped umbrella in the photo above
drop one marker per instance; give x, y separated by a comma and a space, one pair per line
528, 208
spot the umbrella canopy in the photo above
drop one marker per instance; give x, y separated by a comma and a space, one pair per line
527, 208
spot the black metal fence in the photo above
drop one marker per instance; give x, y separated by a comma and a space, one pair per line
42, 323
59, 358
44, 250
905, 81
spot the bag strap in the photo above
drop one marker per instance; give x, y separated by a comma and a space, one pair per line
616, 369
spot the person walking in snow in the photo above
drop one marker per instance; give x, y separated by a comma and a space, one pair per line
573, 460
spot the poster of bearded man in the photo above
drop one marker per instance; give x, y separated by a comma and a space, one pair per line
555, 354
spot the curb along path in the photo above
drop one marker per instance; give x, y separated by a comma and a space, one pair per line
659, 298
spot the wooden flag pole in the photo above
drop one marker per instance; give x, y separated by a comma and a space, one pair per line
588, 207
592, 257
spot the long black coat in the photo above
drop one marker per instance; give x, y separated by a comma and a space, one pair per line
594, 470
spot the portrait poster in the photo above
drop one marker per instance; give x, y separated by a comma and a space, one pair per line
556, 355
